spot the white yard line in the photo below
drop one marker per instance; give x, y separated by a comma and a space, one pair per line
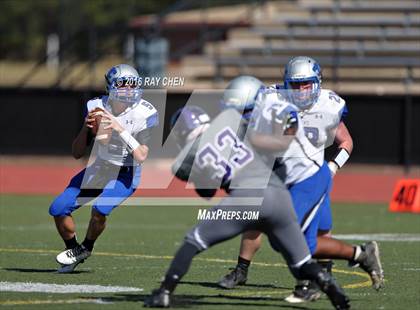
63, 288
380, 237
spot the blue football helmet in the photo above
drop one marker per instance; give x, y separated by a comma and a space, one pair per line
187, 123
241, 94
123, 84
303, 69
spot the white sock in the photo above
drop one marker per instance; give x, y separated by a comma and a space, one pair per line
357, 252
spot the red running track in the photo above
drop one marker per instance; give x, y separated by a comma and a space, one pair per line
355, 183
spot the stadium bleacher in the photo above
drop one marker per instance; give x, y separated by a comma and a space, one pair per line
366, 7
355, 41
366, 34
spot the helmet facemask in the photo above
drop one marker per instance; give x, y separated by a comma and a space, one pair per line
126, 89
124, 92
303, 92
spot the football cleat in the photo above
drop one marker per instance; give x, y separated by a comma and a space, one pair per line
335, 293
69, 268
237, 276
304, 291
159, 298
370, 262
73, 256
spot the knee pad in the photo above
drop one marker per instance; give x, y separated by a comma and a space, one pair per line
60, 207
65, 203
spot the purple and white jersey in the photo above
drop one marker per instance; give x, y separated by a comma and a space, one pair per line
223, 157
134, 119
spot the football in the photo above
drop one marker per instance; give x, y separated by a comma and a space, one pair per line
101, 134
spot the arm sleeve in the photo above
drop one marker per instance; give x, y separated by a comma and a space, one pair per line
184, 162
183, 171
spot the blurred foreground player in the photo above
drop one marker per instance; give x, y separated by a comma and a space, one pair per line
221, 156
115, 174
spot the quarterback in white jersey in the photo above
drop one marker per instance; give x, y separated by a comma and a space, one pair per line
115, 174
134, 119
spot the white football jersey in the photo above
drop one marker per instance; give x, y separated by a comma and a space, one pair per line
321, 120
301, 159
134, 119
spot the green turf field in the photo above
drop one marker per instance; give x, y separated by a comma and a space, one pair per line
135, 250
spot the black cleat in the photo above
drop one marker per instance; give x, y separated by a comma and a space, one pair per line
159, 298
237, 276
370, 262
334, 292
304, 291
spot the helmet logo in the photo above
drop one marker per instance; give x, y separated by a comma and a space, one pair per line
113, 72
316, 68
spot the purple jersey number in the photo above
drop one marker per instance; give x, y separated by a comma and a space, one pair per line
242, 154
212, 155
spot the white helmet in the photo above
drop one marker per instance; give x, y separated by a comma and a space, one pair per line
303, 69
123, 84
241, 94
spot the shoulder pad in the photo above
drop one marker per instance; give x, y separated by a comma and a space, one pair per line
330, 96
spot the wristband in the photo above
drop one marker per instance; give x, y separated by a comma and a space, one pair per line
341, 157
131, 142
